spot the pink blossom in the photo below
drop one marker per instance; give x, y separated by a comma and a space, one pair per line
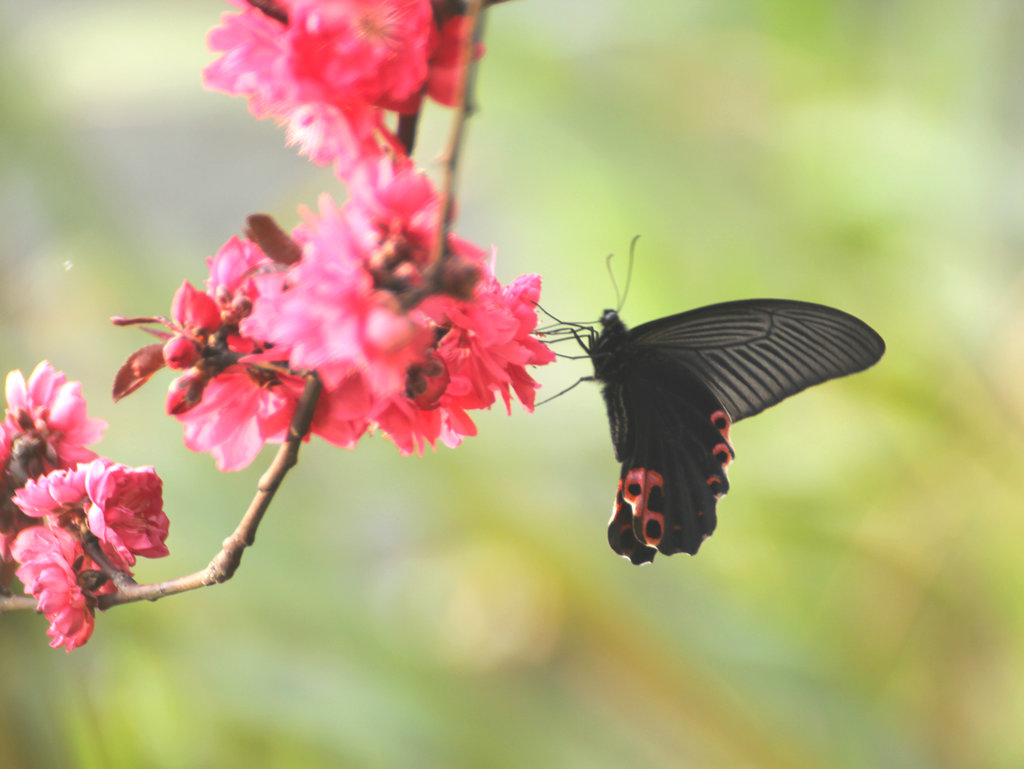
238, 413
446, 65
333, 67
412, 428
46, 418
329, 313
122, 506
345, 136
232, 269
126, 509
56, 495
491, 342
48, 557
414, 373
391, 220
485, 350
368, 50
201, 338
231, 397
341, 412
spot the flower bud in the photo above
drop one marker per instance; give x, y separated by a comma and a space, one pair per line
186, 392
426, 382
195, 311
180, 353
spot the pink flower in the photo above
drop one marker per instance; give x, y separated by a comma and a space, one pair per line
238, 414
329, 68
343, 135
446, 65
341, 412
126, 509
46, 422
330, 311
55, 496
390, 220
414, 373
487, 345
412, 428
491, 342
233, 394
122, 506
48, 557
232, 269
366, 50
196, 313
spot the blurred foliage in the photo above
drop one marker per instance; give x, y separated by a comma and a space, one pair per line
861, 603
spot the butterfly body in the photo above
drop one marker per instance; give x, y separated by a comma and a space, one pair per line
674, 387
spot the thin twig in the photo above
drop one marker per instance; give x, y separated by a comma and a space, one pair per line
122, 580
406, 131
16, 602
225, 563
464, 108
438, 279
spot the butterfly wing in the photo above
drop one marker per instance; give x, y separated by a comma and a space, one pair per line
756, 352
672, 437
675, 385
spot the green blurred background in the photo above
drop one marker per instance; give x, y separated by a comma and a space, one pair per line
862, 603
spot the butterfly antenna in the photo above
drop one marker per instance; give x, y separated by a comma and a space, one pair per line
629, 272
620, 298
615, 283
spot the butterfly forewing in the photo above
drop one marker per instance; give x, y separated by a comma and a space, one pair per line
754, 353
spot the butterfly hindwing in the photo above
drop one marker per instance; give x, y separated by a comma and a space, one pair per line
673, 388
672, 439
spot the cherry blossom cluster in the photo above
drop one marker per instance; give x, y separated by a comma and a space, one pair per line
63, 508
333, 71
401, 322
405, 337
401, 344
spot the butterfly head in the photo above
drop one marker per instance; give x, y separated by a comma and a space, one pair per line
604, 348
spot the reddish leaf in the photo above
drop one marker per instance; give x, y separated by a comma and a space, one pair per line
137, 370
272, 240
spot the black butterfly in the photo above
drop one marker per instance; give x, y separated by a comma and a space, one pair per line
674, 387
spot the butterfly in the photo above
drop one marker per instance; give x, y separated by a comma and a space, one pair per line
675, 386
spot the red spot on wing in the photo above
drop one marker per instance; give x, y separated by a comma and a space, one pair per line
723, 454
721, 422
715, 483
644, 490
620, 532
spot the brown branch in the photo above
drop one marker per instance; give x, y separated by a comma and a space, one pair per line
16, 602
406, 131
226, 562
464, 107
122, 580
